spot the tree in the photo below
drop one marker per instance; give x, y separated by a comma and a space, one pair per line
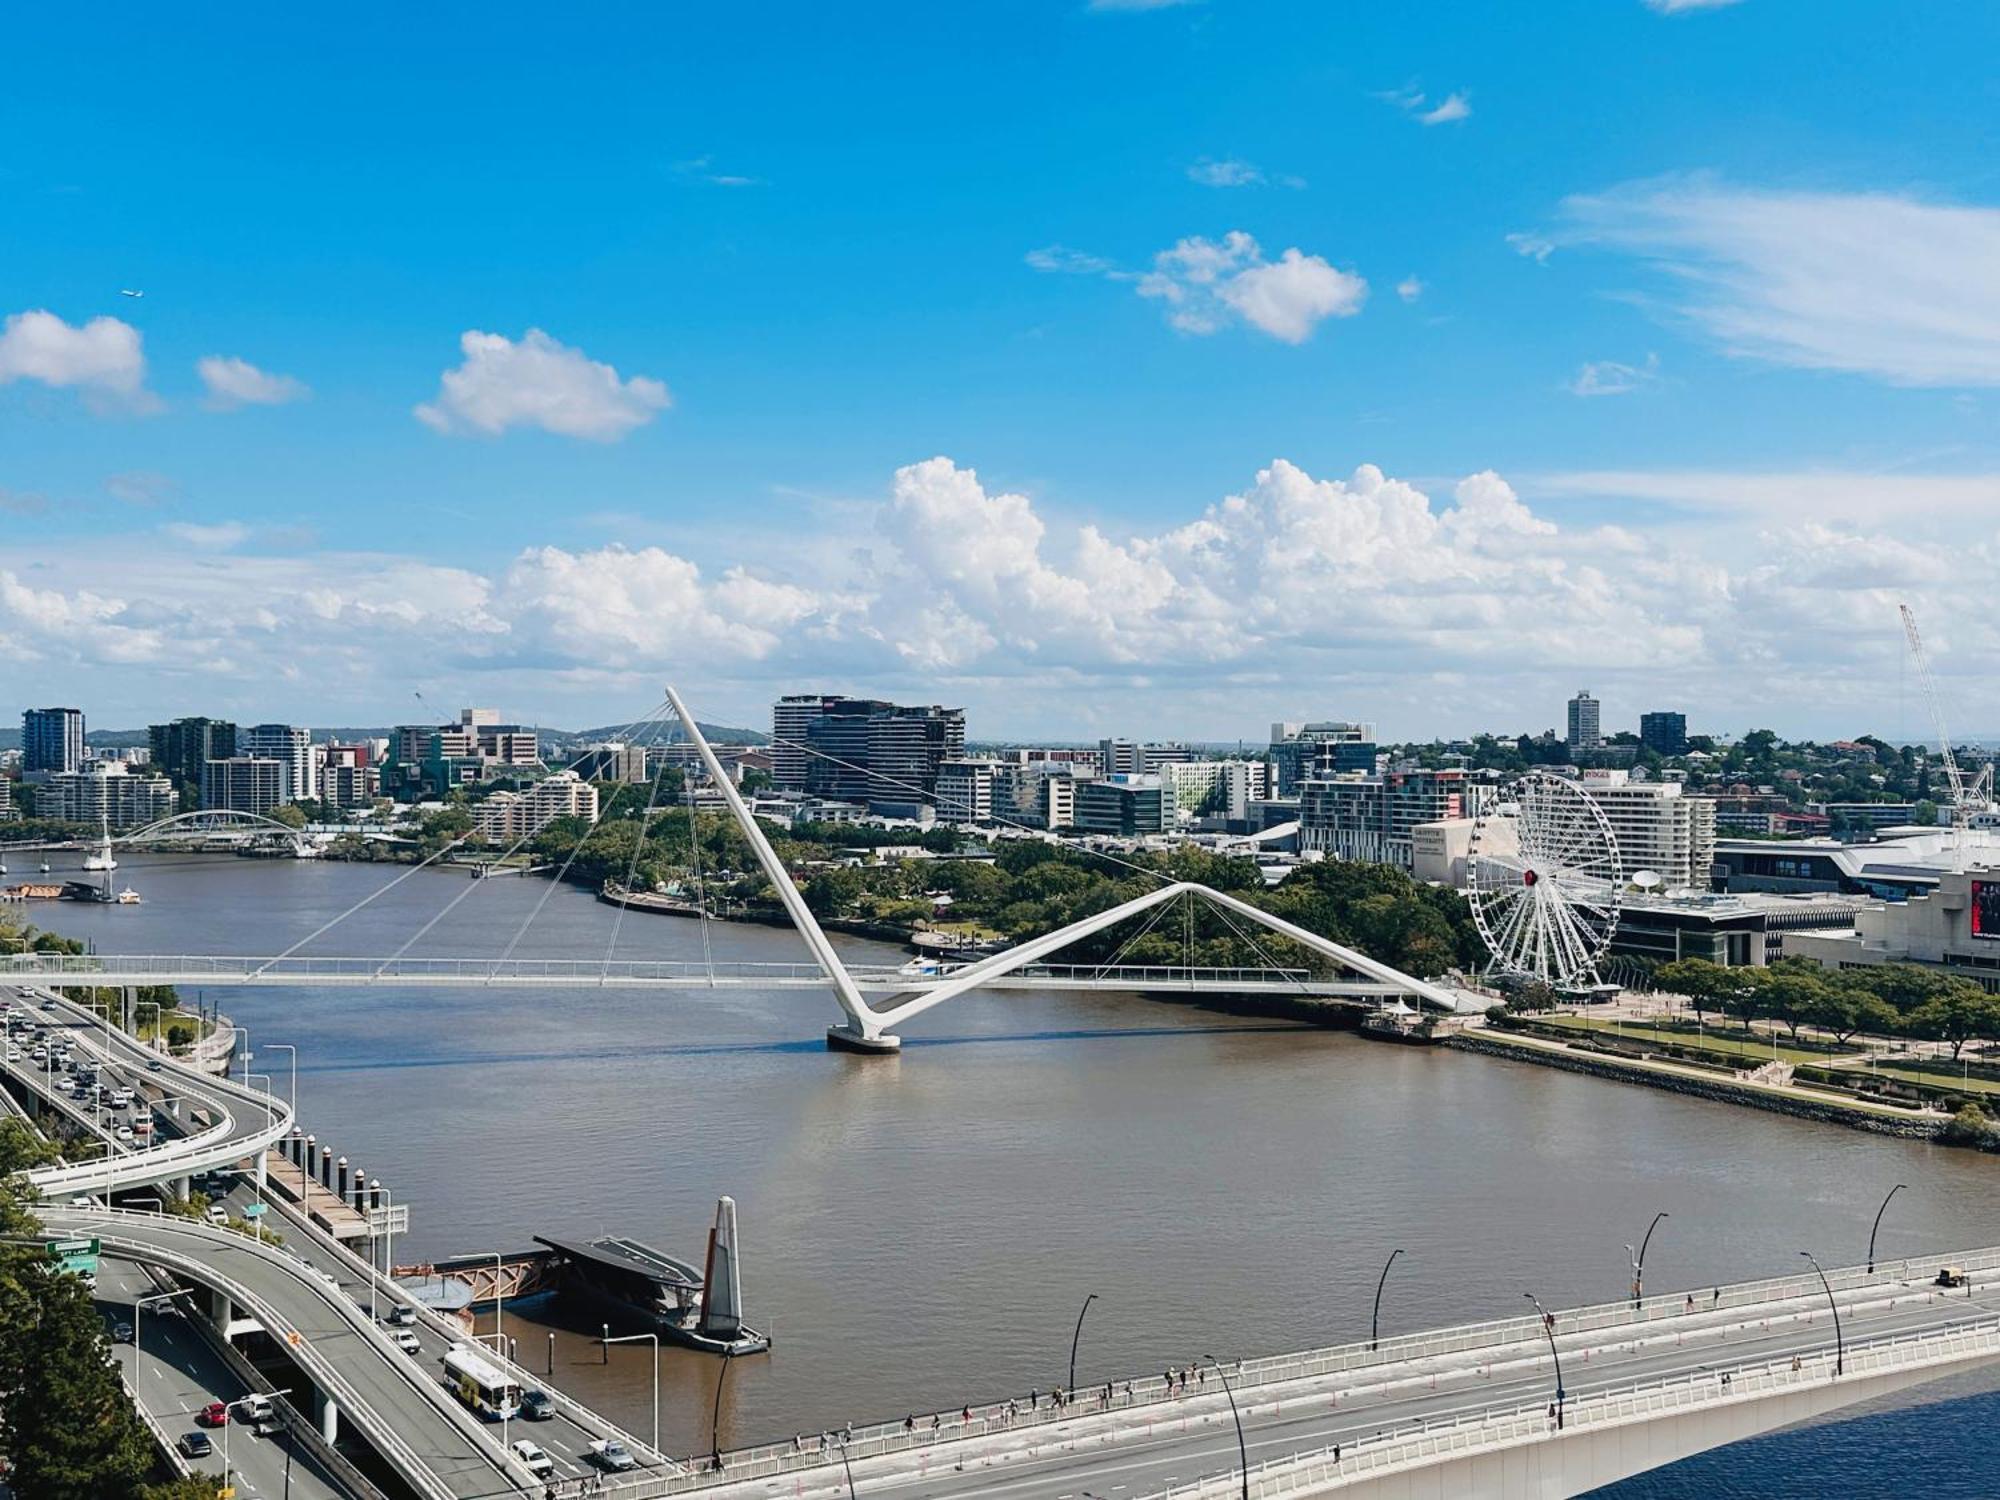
291, 815
1706, 985
1790, 996
1962, 1013
1847, 1012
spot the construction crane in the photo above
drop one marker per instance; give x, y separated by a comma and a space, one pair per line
1971, 801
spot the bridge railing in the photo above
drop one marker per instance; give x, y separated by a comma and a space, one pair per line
1504, 1427
51, 968
1138, 1395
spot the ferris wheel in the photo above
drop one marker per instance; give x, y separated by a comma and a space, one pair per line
1543, 877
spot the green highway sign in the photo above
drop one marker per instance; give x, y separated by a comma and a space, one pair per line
79, 1255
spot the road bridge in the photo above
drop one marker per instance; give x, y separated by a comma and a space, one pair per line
1468, 1411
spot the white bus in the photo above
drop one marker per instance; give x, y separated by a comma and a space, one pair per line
480, 1383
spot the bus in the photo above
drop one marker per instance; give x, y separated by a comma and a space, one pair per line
480, 1383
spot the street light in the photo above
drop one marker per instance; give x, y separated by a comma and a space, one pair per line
1639, 1260
228, 1407
288, 1047
715, 1416
1375, 1318
136, 1306
849, 1468
1242, 1448
1878, 1224
1549, 1328
1073, 1340
1839, 1344
654, 1340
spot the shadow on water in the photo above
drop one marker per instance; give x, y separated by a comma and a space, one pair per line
783, 1048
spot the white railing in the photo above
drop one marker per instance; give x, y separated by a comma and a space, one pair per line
1506, 1427
1145, 1397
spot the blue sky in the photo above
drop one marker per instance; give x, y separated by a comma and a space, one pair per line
1710, 292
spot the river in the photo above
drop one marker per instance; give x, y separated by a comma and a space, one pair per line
920, 1230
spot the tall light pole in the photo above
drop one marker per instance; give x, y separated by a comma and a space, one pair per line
270, 1115
1878, 1224
228, 1407
1242, 1448
1639, 1260
137, 1304
288, 1047
1839, 1344
1549, 1328
1071, 1387
654, 1340
847, 1467
1375, 1318
715, 1416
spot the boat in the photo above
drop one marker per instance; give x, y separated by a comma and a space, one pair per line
1398, 1022
128, 897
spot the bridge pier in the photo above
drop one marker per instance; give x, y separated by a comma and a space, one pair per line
852, 1039
329, 1417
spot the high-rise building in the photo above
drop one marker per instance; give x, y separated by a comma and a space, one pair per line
1664, 732
345, 783
1323, 748
6, 799
183, 748
108, 792
615, 761
506, 817
1216, 788
1127, 806
1658, 827
1585, 731
1374, 818
967, 790
866, 750
51, 740
243, 783
1136, 758
291, 747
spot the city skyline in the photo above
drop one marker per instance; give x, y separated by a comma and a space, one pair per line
1129, 397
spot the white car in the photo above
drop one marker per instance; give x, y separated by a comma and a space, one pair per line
531, 1455
218, 1213
405, 1340
609, 1453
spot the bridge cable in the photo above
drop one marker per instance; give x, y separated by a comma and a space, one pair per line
1250, 938
638, 847
381, 890
700, 888
575, 849
1126, 947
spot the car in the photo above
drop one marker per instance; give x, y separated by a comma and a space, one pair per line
609, 1453
121, 1332
538, 1406
196, 1445
215, 1414
153, 1065
123, 1133
402, 1315
218, 1213
533, 1458
405, 1340
13, 1054
257, 1408
1951, 1276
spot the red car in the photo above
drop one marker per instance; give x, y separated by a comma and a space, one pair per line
215, 1414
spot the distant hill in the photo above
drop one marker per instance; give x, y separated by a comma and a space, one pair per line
721, 734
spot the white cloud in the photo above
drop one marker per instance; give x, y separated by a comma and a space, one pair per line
1443, 610
1062, 260
1232, 173
1686, 7
539, 383
1535, 247
1454, 107
234, 382
1409, 288
217, 538
1607, 377
1205, 283
104, 357
1880, 284
702, 169
1415, 103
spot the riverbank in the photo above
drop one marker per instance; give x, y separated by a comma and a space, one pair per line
1786, 1099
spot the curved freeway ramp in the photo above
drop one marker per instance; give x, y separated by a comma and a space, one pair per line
243, 1122
398, 1405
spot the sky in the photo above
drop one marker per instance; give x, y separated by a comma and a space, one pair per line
1119, 367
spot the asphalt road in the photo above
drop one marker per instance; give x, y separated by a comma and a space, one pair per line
1108, 1457
177, 1373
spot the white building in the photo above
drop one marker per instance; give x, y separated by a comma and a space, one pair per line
1218, 788
1585, 722
106, 790
244, 783
507, 817
1955, 927
1375, 818
291, 747
966, 790
1658, 827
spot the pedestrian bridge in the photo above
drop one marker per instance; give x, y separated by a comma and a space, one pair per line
1468, 1411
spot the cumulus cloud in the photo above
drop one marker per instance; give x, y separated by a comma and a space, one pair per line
1607, 377
538, 382
234, 382
104, 357
1883, 284
1225, 174
1206, 284
1409, 289
1450, 608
